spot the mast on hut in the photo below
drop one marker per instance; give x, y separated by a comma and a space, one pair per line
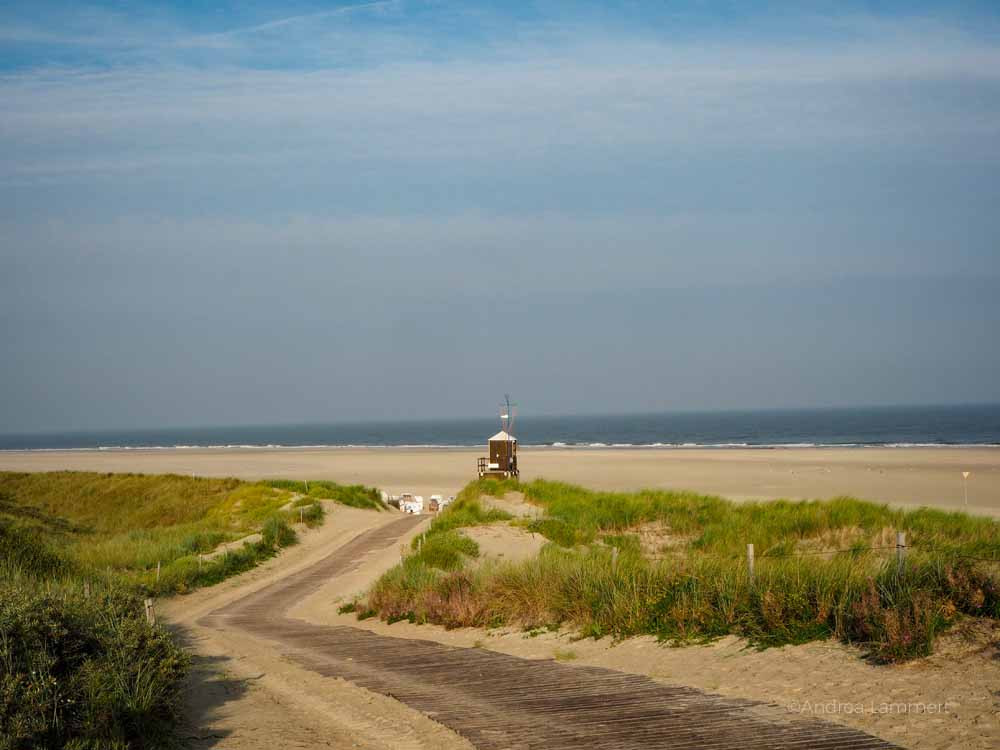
502, 460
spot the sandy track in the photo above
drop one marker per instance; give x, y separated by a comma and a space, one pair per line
499, 701
246, 694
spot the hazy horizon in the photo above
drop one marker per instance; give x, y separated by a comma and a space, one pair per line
530, 417
315, 212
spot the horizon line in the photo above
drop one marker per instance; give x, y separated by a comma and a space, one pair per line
416, 420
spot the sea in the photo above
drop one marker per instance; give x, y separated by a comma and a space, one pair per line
895, 426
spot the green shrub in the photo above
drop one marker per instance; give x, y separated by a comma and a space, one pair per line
78, 672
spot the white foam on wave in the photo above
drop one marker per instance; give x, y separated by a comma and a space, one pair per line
453, 446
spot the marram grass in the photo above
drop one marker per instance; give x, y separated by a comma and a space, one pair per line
126, 525
822, 571
80, 668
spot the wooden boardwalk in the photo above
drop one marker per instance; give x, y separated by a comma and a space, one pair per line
498, 701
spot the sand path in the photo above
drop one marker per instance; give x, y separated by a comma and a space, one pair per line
491, 699
245, 694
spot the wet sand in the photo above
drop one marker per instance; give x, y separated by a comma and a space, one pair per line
902, 476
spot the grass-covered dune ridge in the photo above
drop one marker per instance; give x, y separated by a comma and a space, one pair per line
80, 667
130, 523
824, 569
780, 527
354, 495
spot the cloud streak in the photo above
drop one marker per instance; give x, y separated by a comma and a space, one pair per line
615, 100
346, 188
282, 24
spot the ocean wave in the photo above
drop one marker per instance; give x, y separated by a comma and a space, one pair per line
455, 446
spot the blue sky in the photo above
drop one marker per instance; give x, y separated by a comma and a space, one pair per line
250, 212
309, 35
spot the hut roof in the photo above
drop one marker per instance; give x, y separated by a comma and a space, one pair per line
503, 437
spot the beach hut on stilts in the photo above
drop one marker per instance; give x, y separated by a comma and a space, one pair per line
502, 447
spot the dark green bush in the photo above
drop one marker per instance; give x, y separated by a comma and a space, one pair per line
78, 672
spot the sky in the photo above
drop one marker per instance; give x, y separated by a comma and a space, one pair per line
258, 212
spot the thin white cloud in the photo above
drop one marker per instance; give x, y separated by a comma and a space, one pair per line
310, 17
115, 34
304, 19
601, 100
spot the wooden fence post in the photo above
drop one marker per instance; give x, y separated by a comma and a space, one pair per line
302, 515
900, 551
157, 571
150, 614
614, 558
750, 562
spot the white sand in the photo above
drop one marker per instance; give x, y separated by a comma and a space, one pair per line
245, 695
904, 476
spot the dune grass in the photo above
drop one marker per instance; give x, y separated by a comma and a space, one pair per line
355, 495
80, 667
781, 527
127, 524
441, 548
824, 569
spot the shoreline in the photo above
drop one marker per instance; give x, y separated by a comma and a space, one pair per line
531, 446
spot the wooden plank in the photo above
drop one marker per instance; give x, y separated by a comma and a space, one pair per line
499, 701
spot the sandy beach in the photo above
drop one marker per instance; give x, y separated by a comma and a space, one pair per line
901, 476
